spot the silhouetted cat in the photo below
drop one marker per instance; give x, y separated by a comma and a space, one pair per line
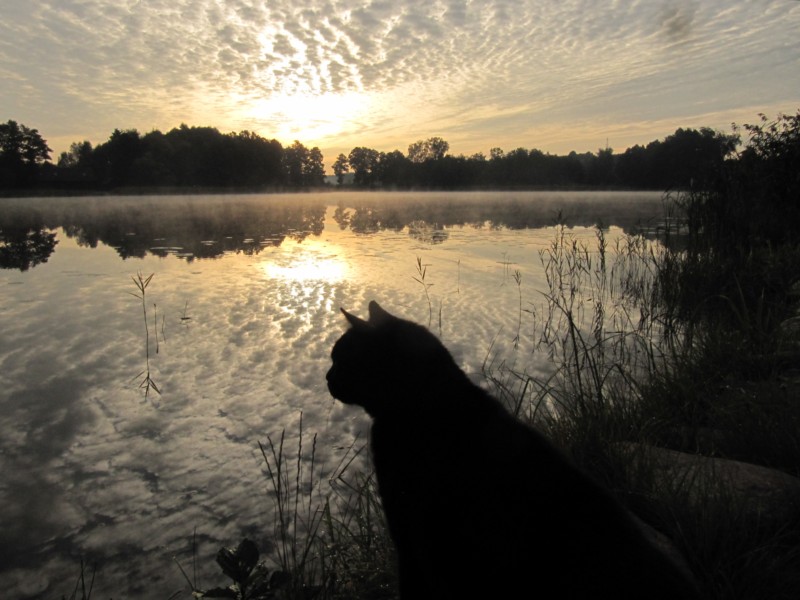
479, 505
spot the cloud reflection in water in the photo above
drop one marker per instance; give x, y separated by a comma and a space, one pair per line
89, 469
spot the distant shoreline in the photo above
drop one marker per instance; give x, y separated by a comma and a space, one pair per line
212, 191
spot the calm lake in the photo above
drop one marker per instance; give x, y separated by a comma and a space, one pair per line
242, 310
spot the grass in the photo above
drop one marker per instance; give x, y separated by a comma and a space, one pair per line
630, 376
681, 346
328, 539
422, 271
298, 517
628, 371
146, 382
83, 589
675, 346
329, 532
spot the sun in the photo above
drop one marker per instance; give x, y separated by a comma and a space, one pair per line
308, 115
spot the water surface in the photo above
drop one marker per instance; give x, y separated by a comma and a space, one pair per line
242, 309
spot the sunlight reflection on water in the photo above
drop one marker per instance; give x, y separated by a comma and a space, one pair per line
310, 261
246, 320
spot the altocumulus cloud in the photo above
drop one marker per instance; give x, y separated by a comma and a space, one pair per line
477, 72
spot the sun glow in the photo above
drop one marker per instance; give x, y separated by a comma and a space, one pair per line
308, 116
308, 263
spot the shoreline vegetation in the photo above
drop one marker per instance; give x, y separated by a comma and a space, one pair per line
204, 160
675, 385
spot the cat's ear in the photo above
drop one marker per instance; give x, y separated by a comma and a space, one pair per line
356, 322
378, 316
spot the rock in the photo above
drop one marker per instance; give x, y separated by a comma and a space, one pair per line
762, 492
667, 547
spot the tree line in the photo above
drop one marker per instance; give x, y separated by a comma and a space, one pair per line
203, 157
185, 157
680, 160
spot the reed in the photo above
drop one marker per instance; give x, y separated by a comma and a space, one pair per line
83, 589
640, 358
422, 271
652, 345
146, 382
297, 516
330, 538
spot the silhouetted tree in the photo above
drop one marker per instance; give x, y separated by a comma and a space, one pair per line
340, 168
154, 165
204, 157
575, 172
22, 151
79, 154
431, 149
762, 196
256, 161
393, 169
314, 168
633, 167
189, 156
294, 157
453, 172
416, 152
113, 160
517, 170
303, 167
602, 171
364, 163
686, 158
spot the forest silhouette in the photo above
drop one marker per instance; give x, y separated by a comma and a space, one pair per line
204, 159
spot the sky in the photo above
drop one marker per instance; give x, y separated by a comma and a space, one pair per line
554, 75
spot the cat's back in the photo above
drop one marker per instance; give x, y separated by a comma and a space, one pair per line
478, 503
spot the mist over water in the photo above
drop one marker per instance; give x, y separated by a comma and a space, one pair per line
242, 309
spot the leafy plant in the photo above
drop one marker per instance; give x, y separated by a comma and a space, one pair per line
251, 578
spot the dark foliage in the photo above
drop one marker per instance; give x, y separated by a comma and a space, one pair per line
203, 157
679, 161
187, 157
251, 578
183, 158
743, 228
22, 151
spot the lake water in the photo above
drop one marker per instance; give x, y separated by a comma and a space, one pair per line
242, 311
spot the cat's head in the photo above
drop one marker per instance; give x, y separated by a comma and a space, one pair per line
387, 364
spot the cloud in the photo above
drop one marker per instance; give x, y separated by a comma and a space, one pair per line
424, 67
676, 18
